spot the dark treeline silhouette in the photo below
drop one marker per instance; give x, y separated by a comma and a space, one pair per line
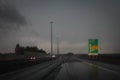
21, 50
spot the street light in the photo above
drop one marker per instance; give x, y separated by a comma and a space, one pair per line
51, 39
57, 46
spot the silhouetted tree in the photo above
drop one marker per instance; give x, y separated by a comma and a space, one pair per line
42, 51
21, 50
17, 49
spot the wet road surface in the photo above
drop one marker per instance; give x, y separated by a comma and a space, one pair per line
66, 68
86, 71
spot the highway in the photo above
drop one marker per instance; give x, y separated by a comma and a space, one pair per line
86, 71
64, 68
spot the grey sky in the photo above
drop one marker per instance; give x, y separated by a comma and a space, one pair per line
75, 21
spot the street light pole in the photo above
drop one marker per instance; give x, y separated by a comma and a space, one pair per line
51, 39
57, 46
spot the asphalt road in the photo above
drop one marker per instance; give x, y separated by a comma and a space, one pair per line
38, 72
85, 71
64, 68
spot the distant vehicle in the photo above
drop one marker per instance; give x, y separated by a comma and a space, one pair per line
53, 56
33, 58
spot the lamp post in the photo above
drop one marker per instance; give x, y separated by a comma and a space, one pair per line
51, 39
57, 46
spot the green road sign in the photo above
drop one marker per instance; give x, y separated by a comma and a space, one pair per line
93, 46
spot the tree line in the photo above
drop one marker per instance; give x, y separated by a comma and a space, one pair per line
21, 50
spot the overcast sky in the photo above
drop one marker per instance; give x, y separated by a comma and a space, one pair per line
27, 22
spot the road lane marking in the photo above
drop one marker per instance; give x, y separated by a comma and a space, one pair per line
112, 71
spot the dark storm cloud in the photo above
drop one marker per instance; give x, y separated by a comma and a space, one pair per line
10, 16
75, 21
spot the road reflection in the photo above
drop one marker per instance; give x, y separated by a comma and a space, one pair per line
93, 72
82, 70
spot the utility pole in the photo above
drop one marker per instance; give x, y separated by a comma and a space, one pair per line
57, 46
51, 39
